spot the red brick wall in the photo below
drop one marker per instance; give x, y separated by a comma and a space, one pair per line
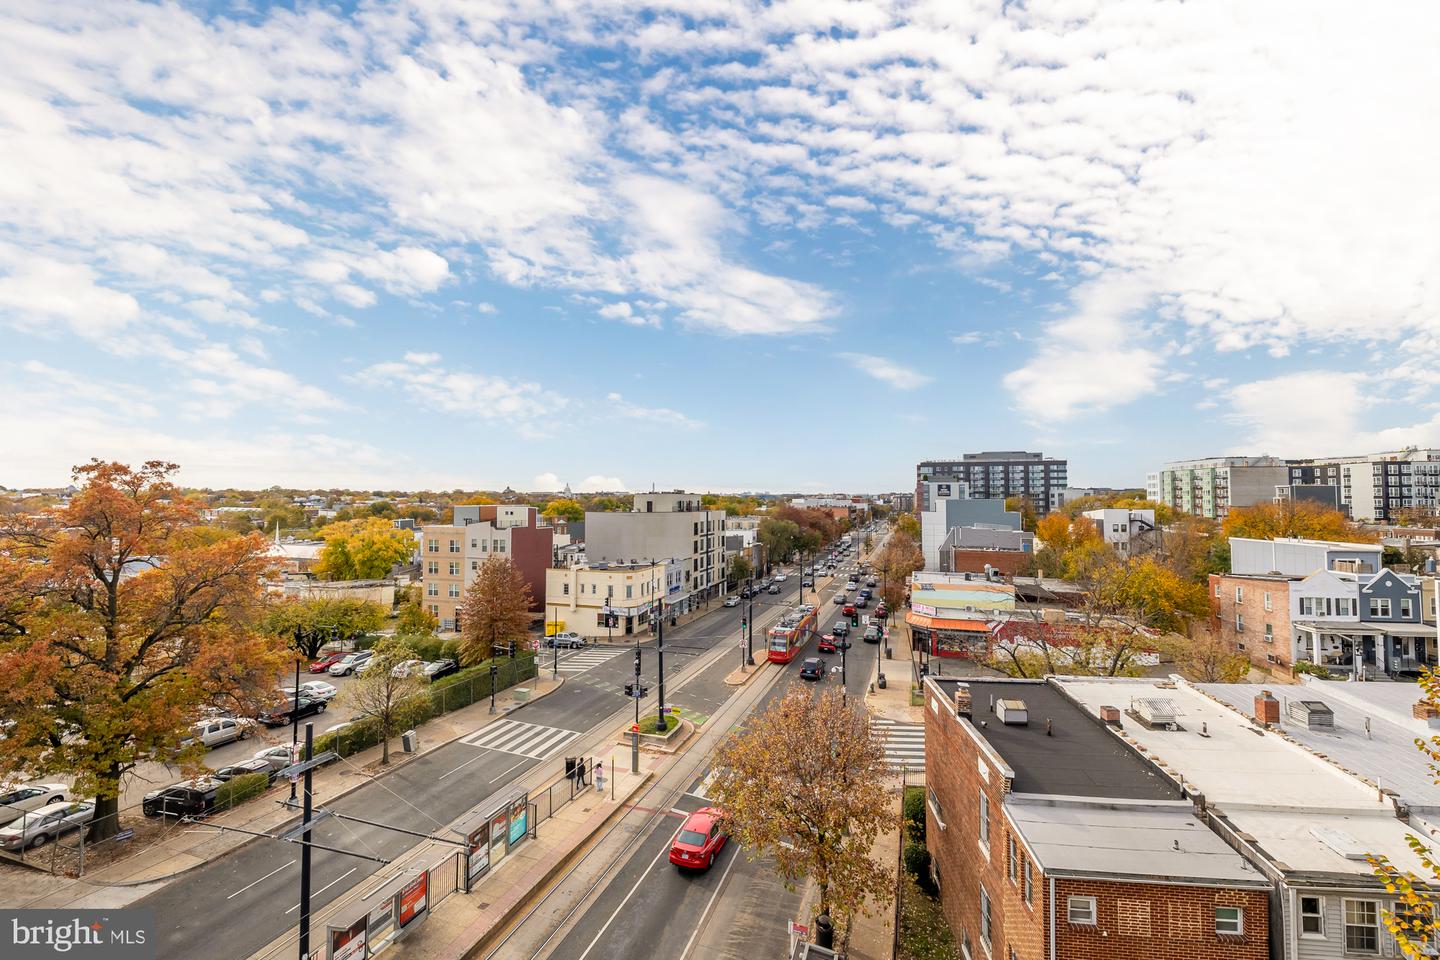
1255, 616
531, 550
1137, 921
1011, 563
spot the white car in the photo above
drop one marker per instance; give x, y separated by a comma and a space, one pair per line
314, 689
566, 640
350, 663
39, 826
780, 578
732, 601
217, 732
15, 801
278, 757
407, 667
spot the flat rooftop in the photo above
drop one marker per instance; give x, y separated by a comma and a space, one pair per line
1078, 759
1155, 841
1303, 811
1385, 754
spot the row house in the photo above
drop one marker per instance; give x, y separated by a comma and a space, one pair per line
1326, 603
1052, 840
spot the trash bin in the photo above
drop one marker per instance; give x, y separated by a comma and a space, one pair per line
880, 681
410, 741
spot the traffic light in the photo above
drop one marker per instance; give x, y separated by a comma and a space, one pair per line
637, 663
629, 689
854, 619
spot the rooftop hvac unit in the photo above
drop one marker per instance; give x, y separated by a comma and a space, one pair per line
1155, 712
1012, 712
1315, 714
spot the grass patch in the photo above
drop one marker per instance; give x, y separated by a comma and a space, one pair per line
649, 725
924, 934
917, 696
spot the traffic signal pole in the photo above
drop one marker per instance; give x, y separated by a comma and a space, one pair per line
660, 726
305, 848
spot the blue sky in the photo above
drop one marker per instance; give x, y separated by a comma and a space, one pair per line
714, 244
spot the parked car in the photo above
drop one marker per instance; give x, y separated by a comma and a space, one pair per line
406, 667
346, 665
363, 665
188, 798
436, 669
253, 765
282, 713
566, 640
774, 588
841, 629
826, 643
216, 733
41, 825
314, 689
700, 840
812, 669
732, 601
16, 801
326, 661
278, 757
872, 634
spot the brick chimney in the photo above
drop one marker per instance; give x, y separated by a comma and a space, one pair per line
1267, 708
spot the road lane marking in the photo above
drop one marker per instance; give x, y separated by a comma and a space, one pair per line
326, 887
664, 855
708, 904
261, 880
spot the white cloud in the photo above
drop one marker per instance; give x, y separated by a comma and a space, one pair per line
886, 371
599, 484
547, 482
462, 392
618, 406
40, 291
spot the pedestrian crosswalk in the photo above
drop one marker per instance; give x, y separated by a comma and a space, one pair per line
904, 744
522, 739
583, 660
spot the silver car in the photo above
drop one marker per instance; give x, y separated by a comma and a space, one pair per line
39, 827
16, 801
217, 732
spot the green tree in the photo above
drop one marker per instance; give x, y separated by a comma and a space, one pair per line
387, 691
1026, 508
908, 524
815, 805
320, 621
740, 568
120, 617
362, 549
565, 509
781, 538
411, 617
495, 611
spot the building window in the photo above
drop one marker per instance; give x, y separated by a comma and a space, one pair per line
1230, 921
984, 823
1012, 859
454, 546
474, 564
1362, 926
1239, 594
984, 919
629, 591
1239, 622
1029, 885
1379, 607
1217, 589
454, 590
1080, 910
432, 567
499, 546
1269, 633
1344, 607
432, 589
1312, 917
1266, 597
435, 610
934, 802
454, 568
1407, 608
565, 589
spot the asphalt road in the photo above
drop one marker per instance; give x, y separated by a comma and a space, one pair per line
249, 897
738, 908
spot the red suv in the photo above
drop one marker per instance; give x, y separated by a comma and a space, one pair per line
324, 663
700, 839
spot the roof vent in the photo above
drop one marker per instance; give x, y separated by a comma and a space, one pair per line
1315, 714
1012, 712
962, 700
1157, 713
1340, 841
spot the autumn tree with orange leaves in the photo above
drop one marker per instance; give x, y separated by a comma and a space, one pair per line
121, 616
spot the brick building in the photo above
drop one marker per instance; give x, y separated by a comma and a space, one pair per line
1052, 840
1252, 614
451, 554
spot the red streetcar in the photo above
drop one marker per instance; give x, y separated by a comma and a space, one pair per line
791, 633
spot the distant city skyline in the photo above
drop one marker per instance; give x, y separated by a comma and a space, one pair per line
782, 246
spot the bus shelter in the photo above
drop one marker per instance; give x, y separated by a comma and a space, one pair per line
499, 825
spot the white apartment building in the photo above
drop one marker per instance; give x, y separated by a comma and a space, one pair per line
1128, 531
1210, 487
674, 526
607, 600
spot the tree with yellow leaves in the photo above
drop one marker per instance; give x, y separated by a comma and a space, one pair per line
362, 549
816, 804
1294, 518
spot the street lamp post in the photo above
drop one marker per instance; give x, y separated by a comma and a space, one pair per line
748, 623
844, 647
660, 726
295, 706
494, 678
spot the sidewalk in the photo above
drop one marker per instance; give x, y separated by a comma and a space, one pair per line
462, 925
188, 846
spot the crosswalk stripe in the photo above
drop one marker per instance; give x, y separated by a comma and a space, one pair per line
522, 739
903, 743
584, 660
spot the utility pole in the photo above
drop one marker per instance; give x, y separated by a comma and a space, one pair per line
660, 726
494, 678
295, 707
635, 693
305, 850
844, 646
750, 623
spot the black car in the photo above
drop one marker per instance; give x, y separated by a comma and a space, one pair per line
861, 601
841, 629
774, 588
190, 798
281, 714
812, 669
246, 766
436, 669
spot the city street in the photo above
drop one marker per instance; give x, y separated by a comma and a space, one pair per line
249, 898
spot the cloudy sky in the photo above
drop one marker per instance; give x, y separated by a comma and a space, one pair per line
711, 243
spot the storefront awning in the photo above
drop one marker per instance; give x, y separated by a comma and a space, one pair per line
945, 623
